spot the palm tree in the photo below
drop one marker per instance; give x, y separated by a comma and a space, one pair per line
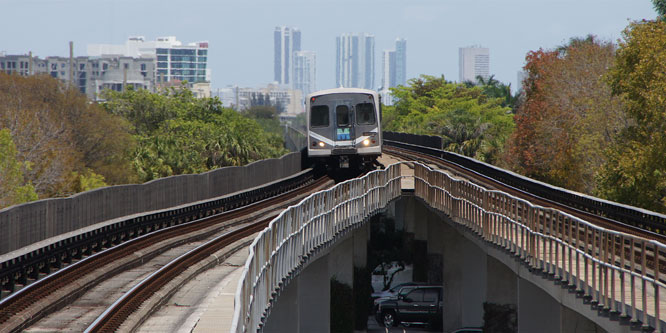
660, 7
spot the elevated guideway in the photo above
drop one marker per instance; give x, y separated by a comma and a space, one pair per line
578, 265
586, 271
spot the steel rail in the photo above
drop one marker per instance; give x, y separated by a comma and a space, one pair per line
491, 182
32, 294
120, 310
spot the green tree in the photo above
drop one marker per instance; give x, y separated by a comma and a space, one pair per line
267, 117
88, 180
178, 133
495, 89
636, 169
13, 187
469, 121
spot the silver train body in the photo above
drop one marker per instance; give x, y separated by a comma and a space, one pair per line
344, 127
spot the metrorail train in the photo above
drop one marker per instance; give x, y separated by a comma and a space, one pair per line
344, 128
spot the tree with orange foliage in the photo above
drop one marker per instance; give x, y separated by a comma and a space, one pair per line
61, 139
568, 116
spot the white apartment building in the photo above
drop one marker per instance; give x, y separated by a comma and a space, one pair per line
473, 61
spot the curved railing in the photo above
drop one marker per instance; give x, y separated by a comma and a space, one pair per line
297, 233
621, 274
634, 216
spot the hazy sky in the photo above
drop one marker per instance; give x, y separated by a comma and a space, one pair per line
241, 32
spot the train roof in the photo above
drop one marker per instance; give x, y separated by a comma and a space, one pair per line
341, 91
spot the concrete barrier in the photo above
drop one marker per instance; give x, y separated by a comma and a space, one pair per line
33, 222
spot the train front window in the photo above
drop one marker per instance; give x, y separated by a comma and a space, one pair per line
342, 115
365, 114
319, 116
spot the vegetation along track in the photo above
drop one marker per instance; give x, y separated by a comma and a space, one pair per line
583, 234
63, 287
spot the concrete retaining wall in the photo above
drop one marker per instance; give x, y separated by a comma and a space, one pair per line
295, 139
29, 223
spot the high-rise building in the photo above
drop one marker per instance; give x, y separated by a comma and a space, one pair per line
400, 62
355, 61
394, 66
388, 75
394, 69
388, 69
305, 71
473, 61
286, 41
175, 61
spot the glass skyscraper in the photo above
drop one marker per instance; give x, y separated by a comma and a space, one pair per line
355, 61
286, 41
394, 67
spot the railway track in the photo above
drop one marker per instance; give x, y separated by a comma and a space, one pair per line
52, 293
493, 184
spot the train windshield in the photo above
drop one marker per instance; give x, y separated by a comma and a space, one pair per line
319, 116
365, 114
342, 115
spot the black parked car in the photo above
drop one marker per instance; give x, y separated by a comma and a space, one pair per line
420, 305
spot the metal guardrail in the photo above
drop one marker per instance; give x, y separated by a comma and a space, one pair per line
278, 253
616, 272
20, 270
431, 145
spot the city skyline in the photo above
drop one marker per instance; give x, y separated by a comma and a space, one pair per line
241, 41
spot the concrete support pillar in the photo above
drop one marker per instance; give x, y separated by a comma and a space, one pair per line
573, 321
361, 237
304, 305
537, 311
285, 313
474, 283
502, 283
340, 261
314, 297
420, 219
410, 215
435, 250
464, 275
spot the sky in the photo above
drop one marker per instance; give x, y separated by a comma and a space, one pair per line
240, 33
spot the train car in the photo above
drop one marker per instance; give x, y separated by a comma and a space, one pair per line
344, 127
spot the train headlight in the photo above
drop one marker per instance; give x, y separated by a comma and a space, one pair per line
366, 142
321, 144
